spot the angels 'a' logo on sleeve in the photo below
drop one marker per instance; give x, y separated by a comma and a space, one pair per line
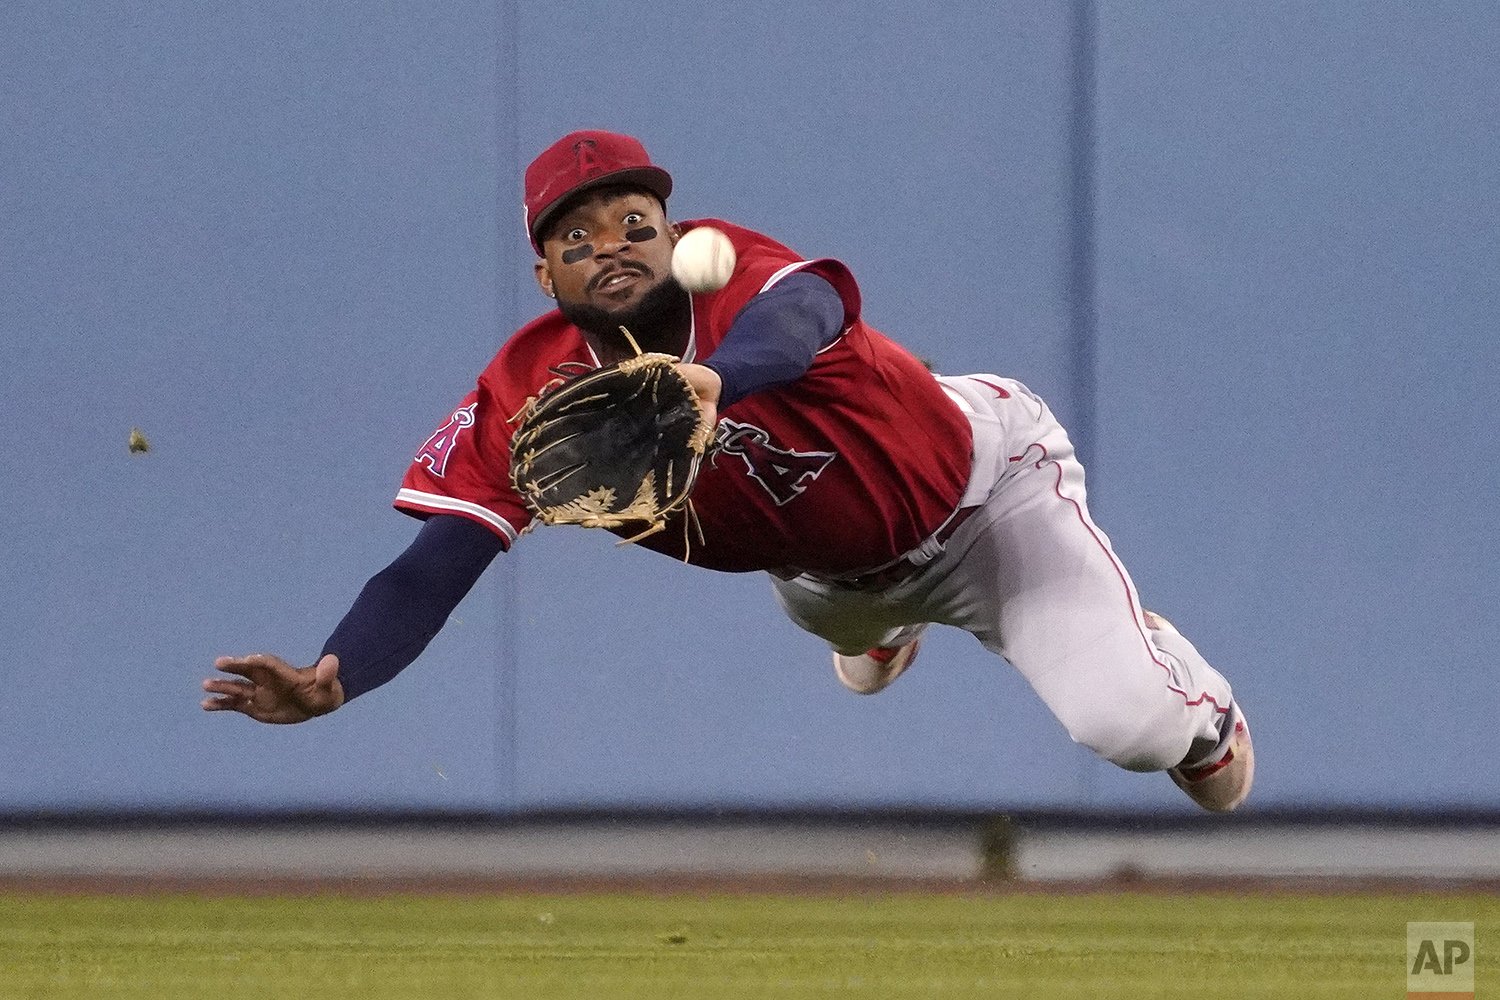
436, 452
784, 474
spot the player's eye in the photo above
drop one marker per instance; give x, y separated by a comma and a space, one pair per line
575, 234
634, 219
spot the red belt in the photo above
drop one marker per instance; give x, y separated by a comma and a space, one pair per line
904, 567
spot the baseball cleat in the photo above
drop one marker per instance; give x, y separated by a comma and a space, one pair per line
1222, 785
873, 670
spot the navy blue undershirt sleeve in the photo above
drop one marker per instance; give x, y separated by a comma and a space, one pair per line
773, 339
406, 604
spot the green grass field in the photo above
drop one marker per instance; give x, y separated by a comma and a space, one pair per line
1140, 946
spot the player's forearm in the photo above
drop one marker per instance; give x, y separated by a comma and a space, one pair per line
403, 606
774, 339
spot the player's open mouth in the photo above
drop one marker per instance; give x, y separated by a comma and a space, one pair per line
617, 280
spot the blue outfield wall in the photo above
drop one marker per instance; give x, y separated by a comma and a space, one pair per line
1250, 255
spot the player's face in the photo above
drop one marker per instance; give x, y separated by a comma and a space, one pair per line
607, 251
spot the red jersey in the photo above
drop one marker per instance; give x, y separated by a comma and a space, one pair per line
849, 467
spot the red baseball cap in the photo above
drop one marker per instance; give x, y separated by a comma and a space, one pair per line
583, 160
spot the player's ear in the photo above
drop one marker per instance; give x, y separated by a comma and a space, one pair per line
674, 232
544, 279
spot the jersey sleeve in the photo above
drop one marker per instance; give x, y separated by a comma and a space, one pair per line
463, 468
763, 264
832, 271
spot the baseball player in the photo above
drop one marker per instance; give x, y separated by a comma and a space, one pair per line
880, 499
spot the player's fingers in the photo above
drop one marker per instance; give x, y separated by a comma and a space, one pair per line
221, 685
257, 666
228, 703
233, 665
237, 663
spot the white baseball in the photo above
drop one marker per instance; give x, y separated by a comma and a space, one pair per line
703, 260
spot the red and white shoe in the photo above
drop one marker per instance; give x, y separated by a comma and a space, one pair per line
873, 670
1222, 785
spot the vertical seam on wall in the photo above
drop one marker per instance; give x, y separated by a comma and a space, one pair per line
508, 155
1082, 251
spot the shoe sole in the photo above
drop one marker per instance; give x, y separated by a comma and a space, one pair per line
902, 660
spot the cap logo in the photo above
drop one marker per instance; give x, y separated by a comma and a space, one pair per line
586, 152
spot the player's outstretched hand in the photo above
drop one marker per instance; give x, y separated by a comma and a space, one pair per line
269, 689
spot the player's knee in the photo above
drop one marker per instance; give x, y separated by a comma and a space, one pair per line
1149, 741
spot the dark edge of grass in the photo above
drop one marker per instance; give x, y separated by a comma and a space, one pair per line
714, 885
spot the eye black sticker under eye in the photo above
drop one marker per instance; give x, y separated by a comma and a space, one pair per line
577, 254
641, 235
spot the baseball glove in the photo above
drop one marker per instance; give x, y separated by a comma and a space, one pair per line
619, 446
